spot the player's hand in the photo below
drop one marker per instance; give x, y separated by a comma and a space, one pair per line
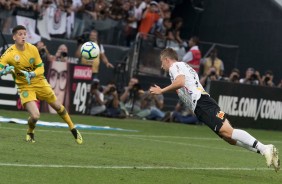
28, 75
156, 90
8, 69
109, 65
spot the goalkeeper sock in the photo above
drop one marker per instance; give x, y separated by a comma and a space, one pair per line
65, 116
245, 138
31, 125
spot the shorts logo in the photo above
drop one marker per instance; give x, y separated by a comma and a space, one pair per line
25, 94
31, 60
220, 115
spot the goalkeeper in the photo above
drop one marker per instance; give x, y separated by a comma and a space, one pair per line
23, 60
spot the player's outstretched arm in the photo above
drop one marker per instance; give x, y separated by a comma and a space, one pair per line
176, 84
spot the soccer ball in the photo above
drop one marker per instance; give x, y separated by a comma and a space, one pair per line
89, 50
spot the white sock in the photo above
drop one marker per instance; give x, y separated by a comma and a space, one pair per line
245, 138
238, 143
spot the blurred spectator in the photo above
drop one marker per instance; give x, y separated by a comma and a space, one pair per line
163, 33
141, 6
280, 84
101, 9
93, 36
61, 54
149, 18
234, 76
251, 77
206, 79
25, 4
116, 10
111, 101
134, 15
12, 8
78, 9
97, 105
181, 115
164, 6
130, 99
215, 62
89, 13
5, 12
43, 51
44, 54
151, 106
193, 56
177, 24
42, 5
174, 40
267, 79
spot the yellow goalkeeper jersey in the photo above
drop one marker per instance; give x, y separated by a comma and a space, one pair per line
28, 60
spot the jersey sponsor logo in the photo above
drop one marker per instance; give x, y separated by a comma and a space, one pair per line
31, 60
25, 94
220, 115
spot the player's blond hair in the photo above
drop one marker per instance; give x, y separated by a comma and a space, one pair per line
169, 53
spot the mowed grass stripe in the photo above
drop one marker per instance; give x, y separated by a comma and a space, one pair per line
136, 135
152, 138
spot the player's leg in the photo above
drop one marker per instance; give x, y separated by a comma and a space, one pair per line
226, 133
34, 115
28, 99
208, 111
62, 112
47, 94
244, 139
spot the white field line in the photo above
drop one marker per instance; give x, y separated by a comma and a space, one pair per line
131, 167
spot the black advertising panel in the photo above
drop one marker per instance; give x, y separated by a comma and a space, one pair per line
8, 93
248, 105
81, 79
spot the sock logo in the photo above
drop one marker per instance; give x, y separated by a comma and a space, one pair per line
220, 115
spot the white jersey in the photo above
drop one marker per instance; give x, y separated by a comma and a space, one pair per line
192, 90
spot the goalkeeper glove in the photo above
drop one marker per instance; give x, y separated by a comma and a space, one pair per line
8, 69
28, 75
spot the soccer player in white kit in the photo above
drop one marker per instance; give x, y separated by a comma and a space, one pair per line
190, 91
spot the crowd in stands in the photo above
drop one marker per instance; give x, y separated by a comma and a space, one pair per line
125, 17
213, 69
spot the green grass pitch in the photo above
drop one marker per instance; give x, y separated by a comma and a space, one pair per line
164, 153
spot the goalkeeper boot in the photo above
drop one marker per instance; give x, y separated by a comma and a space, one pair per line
30, 137
77, 136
